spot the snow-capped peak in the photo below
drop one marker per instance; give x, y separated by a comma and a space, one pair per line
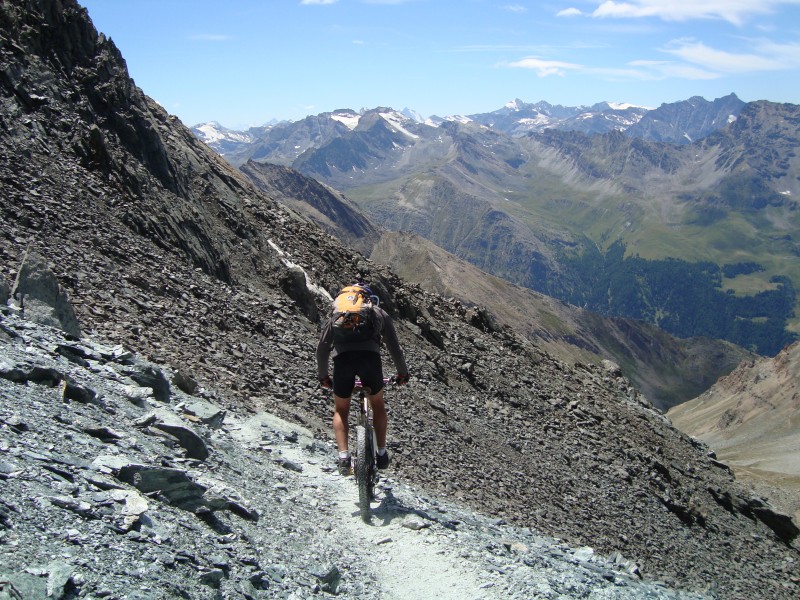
413, 115
398, 121
214, 132
348, 119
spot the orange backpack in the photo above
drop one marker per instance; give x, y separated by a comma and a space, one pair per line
353, 315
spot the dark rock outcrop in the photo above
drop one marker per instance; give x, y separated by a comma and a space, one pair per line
331, 210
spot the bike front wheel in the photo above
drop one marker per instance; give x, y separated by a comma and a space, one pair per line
364, 471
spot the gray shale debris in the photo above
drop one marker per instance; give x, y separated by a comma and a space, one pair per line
124, 507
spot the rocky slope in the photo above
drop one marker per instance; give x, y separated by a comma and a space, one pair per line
122, 479
687, 121
327, 208
168, 251
750, 420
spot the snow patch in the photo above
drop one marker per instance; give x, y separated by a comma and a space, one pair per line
624, 106
396, 120
310, 285
348, 120
535, 121
413, 115
214, 132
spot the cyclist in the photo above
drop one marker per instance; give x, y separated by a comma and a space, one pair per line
362, 359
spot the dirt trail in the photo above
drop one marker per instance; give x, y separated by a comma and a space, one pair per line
400, 548
419, 546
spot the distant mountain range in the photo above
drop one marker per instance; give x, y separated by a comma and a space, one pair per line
682, 216
679, 122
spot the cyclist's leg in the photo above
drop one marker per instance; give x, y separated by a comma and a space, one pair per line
344, 378
372, 376
341, 412
379, 417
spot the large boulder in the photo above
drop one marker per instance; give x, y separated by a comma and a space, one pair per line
41, 298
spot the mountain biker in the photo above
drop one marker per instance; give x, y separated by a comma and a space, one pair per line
362, 359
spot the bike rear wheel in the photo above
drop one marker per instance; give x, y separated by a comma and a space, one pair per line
364, 471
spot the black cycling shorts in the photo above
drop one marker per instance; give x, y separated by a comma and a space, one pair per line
364, 364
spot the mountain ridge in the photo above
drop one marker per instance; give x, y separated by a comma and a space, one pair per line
518, 117
702, 202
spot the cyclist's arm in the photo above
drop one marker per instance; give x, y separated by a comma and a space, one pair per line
324, 350
393, 344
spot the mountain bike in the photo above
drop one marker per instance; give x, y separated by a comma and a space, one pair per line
365, 452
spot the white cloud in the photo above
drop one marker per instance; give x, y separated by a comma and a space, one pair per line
569, 12
516, 8
637, 70
733, 11
654, 70
318, 1
544, 68
787, 55
771, 56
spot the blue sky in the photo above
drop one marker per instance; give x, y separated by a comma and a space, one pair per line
245, 62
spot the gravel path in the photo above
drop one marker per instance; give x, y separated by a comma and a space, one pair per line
422, 546
409, 559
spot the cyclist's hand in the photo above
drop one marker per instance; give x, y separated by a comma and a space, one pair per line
326, 382
402, 379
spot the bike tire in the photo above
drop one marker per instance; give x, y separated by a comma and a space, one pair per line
363, 472
372, 475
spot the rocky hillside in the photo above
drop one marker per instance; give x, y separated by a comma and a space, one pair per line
171, 253
102, 450
750, 419
327, 208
